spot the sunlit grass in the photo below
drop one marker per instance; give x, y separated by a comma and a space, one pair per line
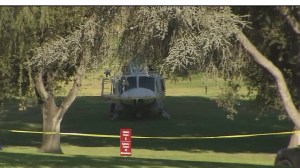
109, 157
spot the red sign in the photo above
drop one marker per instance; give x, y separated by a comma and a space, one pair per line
125, 142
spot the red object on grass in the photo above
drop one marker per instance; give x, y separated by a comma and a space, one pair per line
125, 141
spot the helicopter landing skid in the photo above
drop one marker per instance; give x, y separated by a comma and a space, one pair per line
165, 114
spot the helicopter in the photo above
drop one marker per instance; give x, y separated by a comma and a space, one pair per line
136, 90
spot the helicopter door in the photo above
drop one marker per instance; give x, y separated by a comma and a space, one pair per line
107, 87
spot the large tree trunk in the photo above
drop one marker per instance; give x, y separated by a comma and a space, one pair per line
295, 139
51, 127
53, 115
295, 25
285, 96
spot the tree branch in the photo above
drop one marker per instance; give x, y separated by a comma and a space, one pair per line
73, 92
277, 74
40, 86
285, 11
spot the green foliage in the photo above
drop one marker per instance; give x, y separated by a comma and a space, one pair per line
178, 40
275, 38
84, 49
230, 98
63, 53
181, 39
52, 39
23, 29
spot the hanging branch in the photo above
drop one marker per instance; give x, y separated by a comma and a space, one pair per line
285, 11
276, 73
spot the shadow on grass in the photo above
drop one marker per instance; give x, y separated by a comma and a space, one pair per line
29, 160
190, 116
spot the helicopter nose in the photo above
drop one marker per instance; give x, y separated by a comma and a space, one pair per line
138, 93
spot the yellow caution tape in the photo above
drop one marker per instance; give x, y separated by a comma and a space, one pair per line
71, 134
148, 137
221, 137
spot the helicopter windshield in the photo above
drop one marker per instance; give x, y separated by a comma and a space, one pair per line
146, 82
131, 83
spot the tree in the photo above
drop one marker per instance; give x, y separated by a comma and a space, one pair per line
277, 74
295, 25
22, 30
64, 58
276, 34
25, 28
62, 43
10, 69
183, 39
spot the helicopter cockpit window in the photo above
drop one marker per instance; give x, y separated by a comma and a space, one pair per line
129, 83
146, 82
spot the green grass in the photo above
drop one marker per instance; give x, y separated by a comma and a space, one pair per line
108, 157
193, 113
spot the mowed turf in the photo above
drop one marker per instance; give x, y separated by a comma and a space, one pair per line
193, 113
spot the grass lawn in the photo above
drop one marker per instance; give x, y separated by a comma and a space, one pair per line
193, 113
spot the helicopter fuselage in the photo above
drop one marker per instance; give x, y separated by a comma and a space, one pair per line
138, 92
